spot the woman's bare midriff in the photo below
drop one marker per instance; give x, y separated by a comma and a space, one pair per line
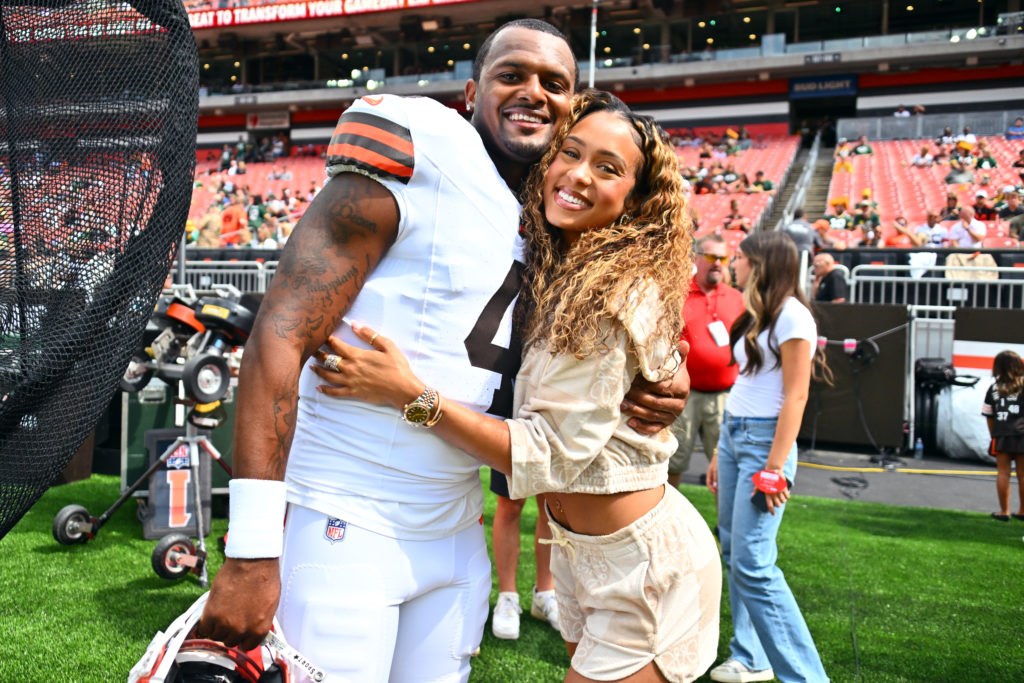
595, 514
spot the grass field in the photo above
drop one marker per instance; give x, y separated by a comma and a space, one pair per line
890, 593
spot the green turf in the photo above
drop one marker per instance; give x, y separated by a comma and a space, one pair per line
933, 595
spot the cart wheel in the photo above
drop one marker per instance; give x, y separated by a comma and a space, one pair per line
166, 556
136, 375
207, 378
141, 510
67, 525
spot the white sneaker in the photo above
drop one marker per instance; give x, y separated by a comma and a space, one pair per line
545, 607
505, 620
731, 671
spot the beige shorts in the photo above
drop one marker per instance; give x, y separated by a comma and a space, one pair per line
648, 592
702, 415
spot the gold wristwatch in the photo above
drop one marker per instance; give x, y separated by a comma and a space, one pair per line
418, 411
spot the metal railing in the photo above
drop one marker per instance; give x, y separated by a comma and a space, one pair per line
924, 126
802, 184
994, 287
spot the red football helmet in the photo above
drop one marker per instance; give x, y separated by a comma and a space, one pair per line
173, 657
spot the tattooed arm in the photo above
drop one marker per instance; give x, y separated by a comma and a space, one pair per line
342, 236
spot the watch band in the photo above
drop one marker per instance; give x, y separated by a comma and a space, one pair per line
419, 411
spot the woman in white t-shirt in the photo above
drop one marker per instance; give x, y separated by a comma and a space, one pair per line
774, 343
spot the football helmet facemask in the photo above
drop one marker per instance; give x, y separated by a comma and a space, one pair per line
174, 657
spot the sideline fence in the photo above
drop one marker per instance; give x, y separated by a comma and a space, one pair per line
958, 286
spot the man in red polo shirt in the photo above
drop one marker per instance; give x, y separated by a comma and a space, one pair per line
709, 312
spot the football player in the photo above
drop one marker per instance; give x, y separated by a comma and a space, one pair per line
381, 572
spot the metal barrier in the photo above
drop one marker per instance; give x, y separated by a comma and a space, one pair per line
802, 183
924, 126
246, 276
930, 286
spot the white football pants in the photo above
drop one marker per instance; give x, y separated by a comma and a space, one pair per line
367, 608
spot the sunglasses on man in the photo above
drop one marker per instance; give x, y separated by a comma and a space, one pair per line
711, 258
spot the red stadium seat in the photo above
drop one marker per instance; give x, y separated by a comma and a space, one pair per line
999, 243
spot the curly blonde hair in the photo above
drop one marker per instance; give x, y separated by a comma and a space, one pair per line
570, 294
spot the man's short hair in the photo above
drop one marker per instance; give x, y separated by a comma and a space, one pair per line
533, 25
798, 213
710, 237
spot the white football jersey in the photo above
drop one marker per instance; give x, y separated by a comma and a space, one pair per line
444, 292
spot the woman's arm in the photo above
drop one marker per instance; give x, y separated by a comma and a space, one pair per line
567, 418
796, 380
383, 375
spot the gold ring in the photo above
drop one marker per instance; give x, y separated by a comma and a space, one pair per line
373, 338
332, 362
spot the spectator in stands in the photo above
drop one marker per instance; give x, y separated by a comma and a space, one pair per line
1016, 131
968, 231
983, 209
225, 159
210, 226
275, 207
1019, 165
931, 233
1009, 205
245, 238
801, 232
841, 219
233, 167
946, 138
901, 112
961, 164
865, 198
923, 158
735, 220
985, 159
284, 231
265, 238
829, 283
951, 210
842, 157
745, 142
761, 184
233, 218
277, 146
942, 154
862, 147
822, 240
901, 236
967, 136
918, 109
1010, 209
256, 211
865, 218
731, 177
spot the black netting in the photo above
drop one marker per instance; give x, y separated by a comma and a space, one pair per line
98, 112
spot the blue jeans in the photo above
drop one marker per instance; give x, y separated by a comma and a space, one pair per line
768, 628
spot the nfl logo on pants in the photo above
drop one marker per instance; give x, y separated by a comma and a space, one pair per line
335, 529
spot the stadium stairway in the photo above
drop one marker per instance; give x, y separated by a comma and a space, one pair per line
782, 199
816, 203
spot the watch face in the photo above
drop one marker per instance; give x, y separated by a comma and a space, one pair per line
417, 413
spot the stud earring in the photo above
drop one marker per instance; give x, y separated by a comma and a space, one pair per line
469, 106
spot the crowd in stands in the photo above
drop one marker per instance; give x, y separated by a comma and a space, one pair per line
958, 190
252, 195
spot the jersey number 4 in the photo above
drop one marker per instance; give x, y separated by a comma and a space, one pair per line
484, 353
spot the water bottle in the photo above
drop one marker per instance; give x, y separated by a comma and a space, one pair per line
918, 448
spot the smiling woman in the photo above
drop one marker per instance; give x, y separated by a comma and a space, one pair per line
607, 266
587, 184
